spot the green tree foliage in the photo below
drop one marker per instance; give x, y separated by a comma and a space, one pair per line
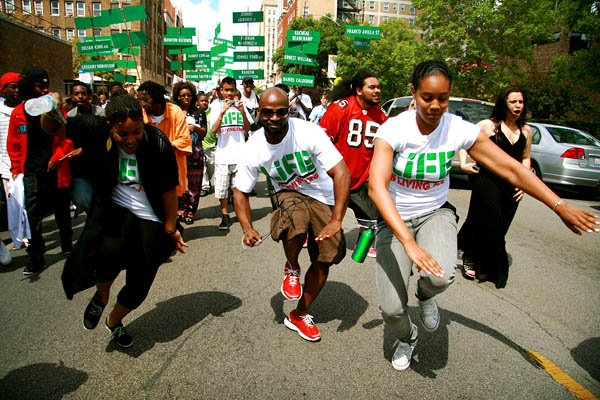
331, 33
392, 58
484, 41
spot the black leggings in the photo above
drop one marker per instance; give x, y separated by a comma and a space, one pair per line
133, 244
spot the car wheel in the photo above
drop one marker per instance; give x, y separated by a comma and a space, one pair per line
536, 170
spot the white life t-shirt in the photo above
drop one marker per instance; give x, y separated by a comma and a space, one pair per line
304, 99
420, 176
299, 162
231, 137
129, 191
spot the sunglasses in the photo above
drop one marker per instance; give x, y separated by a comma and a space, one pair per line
269, 112
119, 117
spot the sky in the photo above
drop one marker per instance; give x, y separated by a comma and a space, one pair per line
205, 14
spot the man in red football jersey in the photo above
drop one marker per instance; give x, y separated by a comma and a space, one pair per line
351, 121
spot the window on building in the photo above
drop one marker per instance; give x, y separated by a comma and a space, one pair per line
56, 32
385, 18
69, 33
402, 7
68, 8
386, 6
96, 9
26, 6
371, 5
411, 21
54, 8
395, 6
412, 10
38, 7
81, 33
371, 19
97, 32
80, 9
10, 6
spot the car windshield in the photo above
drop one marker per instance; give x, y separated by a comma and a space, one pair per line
472, 112
399, 106
571, 136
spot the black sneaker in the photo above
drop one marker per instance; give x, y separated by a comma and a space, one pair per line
92, 313
225, 222
204, 192
35, 265
119, 334
66, 248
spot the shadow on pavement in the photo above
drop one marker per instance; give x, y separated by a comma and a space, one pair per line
41, 381
587, 355
170, 318
336, 301
432, 349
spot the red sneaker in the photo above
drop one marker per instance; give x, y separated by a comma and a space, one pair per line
304, 325
372, 253
291, 288
305, 245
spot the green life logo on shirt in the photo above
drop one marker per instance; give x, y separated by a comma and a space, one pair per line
424, 166
290, 166
128, 168
232, 118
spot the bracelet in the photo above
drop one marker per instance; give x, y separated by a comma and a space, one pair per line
173, 231
251, 229
558, 203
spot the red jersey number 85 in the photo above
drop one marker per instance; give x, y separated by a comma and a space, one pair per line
357, 136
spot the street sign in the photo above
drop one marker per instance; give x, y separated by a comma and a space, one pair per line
300, 59
229, 43
93, 66
302, 48
94, 46
249, 73
177, 40
247, 16
304, 36
299, 80
247, 56
365, 32
249, 40
362, 44
201, 55
198, 76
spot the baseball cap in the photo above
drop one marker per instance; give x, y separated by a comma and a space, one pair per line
247, 79
34, 74
9, 77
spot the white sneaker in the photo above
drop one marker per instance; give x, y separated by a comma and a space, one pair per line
403, 355
429, 314
5, 256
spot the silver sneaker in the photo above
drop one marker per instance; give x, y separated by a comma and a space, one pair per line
403, 355
429, 314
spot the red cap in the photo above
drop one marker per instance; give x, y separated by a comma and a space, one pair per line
9, 77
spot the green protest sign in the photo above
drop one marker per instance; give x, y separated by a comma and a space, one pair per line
218, 29
113, 15
138, 38
177, 40
302, 48
94, 66
304, 36
188, 65
199, 55
126, 64
300, 59
249, 73
188, 32
247, 17
218, 49
132, 51
118, 77
185, 49
364, 32
121, 40
229, 43
249, 40
296, 79
134, 13
95, 46
362, 44
198, 76
247, 56
83, 23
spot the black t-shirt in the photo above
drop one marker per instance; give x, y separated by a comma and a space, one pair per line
39, 146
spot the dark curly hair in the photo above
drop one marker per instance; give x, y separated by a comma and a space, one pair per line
179, 86
156, 91
347, 86
124, 105
428, 68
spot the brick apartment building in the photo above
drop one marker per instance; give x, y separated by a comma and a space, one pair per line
57, 18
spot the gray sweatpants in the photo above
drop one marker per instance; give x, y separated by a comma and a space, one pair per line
436, 233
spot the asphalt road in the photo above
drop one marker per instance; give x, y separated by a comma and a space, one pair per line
212, 326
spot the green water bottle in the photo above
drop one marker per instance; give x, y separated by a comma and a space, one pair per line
364, 244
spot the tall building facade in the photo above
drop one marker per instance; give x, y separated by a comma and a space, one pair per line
57, 18
268, 29
289, 10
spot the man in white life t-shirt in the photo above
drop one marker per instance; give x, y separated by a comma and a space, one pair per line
300, 102
312, 183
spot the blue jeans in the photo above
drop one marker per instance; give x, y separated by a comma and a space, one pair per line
436, 233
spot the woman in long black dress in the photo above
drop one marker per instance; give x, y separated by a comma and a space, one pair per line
494, 201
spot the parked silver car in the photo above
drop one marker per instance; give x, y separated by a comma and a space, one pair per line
565, 156
469, 109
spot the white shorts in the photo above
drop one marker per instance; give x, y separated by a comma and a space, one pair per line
224, 176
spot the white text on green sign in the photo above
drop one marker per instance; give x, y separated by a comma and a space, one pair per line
249, 56
300, 59
247, 16
296, 79
249, 40
365, 32
249, 73
198, 76
304, 36
176, 41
